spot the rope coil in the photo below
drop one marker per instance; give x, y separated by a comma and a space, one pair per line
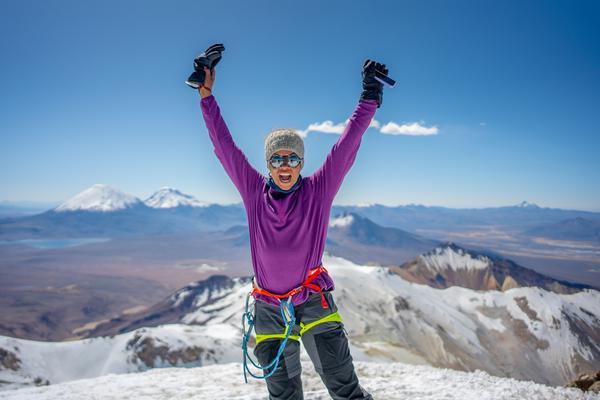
286, 308
287, 313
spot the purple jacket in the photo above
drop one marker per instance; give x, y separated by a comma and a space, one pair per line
288, 231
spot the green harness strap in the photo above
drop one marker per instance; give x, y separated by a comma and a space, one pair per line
333, 317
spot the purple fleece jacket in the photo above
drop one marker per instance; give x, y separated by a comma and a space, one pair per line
288, 230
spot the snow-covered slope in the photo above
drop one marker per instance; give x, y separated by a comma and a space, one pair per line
217, 299
393, 381
167, 197
450, 265
28, 362
447, 257
524, 333
99, 197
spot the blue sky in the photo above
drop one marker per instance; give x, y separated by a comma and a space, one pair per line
93, 92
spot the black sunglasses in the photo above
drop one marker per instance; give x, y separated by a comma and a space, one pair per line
292, 160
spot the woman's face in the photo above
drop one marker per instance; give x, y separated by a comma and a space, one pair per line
285, 176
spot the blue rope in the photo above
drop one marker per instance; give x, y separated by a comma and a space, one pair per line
285, 305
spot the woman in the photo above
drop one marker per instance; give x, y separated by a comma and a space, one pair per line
288, 216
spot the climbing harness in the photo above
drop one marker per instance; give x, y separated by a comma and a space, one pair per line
313, 273
287, 314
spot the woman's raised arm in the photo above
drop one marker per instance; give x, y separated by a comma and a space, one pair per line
245, 178
330, 176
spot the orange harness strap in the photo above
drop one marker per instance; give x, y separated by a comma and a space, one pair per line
312, 274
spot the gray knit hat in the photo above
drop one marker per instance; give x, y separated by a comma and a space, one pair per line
283, 139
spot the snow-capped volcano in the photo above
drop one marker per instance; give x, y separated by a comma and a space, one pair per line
99, 197
526, 204
168, 197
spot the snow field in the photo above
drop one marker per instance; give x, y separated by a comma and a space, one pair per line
389, 381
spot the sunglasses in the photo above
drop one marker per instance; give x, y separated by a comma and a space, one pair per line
292, 160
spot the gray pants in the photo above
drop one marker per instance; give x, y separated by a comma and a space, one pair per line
324, 338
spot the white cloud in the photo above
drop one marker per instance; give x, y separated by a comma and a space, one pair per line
374, 124
411, 129
329, 127
391, 128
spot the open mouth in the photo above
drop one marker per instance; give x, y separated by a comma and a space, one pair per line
285, 178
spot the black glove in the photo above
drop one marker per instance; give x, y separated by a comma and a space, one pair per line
372, 88
208, 59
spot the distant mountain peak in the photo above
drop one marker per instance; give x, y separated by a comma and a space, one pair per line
365, 205
168, 197
99, 197
526, 204
415, 205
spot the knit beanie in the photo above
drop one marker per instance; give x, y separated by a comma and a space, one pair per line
283, 139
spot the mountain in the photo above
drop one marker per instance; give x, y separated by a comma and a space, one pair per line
29, 363
526, 333
414, 217
361, 240
573, 229
190, 305
169, 210
102, 211
101, 198
168, 197
390, 381
450, 265
526, 204
195, 326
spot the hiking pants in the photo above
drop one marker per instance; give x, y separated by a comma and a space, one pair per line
324, 338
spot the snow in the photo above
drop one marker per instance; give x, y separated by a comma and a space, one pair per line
388, 319
447, 257
66, 361
388, 381
526, 204
167, 197
99, 197
341, 221
490, 323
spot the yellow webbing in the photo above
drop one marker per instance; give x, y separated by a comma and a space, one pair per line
334, 317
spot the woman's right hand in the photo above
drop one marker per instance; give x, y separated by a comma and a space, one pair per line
209, 80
